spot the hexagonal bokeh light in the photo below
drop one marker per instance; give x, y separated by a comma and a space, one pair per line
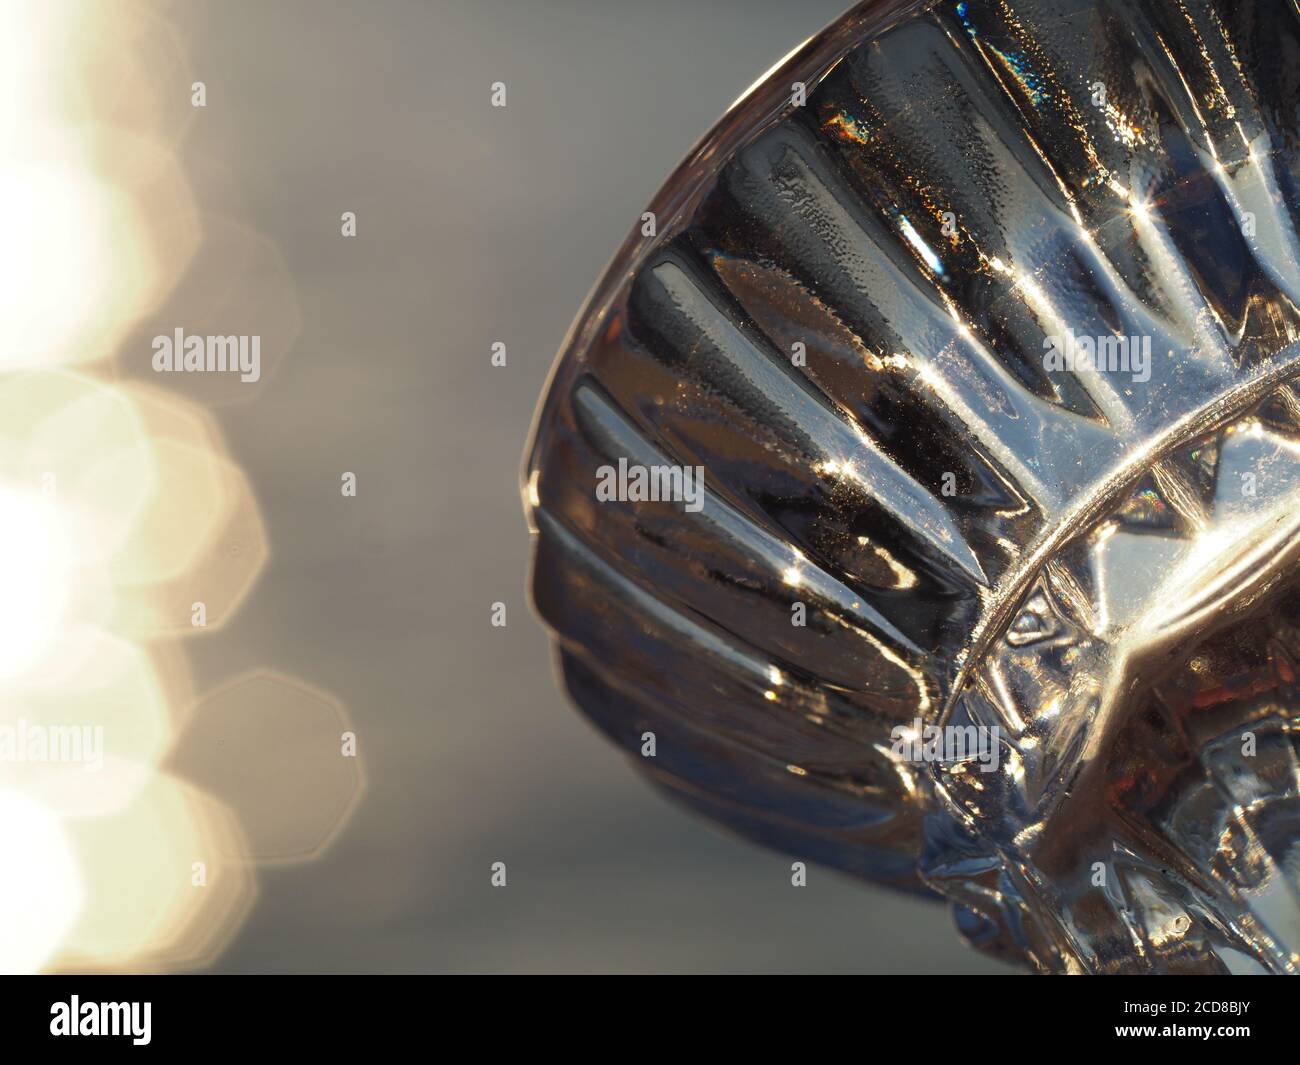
269, 747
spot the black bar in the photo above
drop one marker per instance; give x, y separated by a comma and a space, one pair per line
1038, 1015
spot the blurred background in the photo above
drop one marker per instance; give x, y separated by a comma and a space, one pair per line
370, 614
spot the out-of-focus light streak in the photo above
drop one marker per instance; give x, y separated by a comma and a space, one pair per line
119, 509
35, 571
40, 892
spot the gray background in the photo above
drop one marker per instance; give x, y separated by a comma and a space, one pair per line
475, 225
